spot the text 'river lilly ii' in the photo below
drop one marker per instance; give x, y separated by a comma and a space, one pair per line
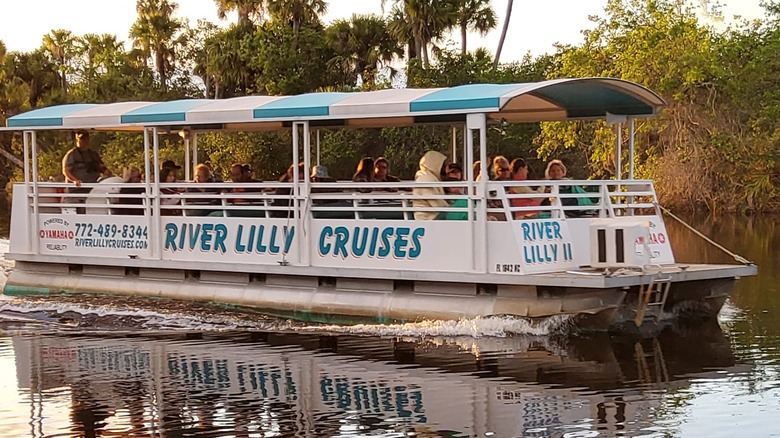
449, 243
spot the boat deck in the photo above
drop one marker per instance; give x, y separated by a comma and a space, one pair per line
584, 277
678, 272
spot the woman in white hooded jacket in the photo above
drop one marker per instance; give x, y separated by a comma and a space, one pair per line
430, 171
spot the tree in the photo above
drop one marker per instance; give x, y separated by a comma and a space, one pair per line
38, 74
282, 67
504, 29
154, 35
424, 21
297, 12
361, 44
98, 55
475, 15
247, 9
60, 45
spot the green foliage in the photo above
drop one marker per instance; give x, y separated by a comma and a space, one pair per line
361, 45
284, 67
714, 146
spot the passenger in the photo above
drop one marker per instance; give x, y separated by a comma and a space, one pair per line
455, 172
168, 176
82, 164
364, 173
501, 172
458, 203
131, 175
320, 174
213, 176
170, 164
519, 170
557, 171
237, 173
249, 173
431, 168
242, 174
288, 177
203, 175
382, 171
476, 170
382, 175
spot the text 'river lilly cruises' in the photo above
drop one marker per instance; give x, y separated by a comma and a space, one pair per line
316, 250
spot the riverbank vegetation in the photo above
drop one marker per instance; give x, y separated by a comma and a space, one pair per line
716, 145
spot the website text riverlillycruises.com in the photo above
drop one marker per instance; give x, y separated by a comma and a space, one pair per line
111, 243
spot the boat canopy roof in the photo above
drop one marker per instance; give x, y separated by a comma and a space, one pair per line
558, 99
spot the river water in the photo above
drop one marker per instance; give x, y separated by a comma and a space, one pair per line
101, 366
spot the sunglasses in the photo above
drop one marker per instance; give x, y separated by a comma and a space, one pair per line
503, 169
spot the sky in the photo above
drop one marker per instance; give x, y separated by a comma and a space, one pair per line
535, 25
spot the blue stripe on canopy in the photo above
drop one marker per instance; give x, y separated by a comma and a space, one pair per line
174, 111
474, 96
593, 99
304, 105
51, 116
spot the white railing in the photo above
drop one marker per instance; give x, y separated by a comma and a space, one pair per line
348, 200
345, 201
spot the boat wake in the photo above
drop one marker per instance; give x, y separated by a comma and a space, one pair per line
81, 313
494, 326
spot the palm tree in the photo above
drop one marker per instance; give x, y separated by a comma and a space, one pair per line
246, 9
100, 57
363, 43
425, 20
153, 35
503, 33
475, 15
36, 70
60, 44
297, 12
402, 29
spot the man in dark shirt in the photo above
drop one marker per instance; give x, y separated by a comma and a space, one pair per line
81, 164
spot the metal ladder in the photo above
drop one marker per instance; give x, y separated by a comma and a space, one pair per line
643, 368
652, 299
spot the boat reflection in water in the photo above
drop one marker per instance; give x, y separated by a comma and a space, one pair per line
292, 384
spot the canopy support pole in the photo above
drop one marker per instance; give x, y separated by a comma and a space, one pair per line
618, 120
147, 187
295, 193
303, 243
156, 234
631, 145
318, 147
26, 140
619, 153
32, 238
476, 123
194, 153
187, 146
36, 219
469, 166
454, 157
